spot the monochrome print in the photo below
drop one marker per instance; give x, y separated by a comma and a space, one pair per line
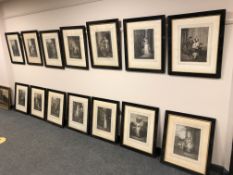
4, 97
55, 106
74, 47
187, 141
15, 48
77, 112
104, 44
21, 97
32, 47
144, 44
51, 48
37, 101
104, 119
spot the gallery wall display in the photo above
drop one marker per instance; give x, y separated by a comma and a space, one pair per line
22, 100
188, 141
75, 46
105, 43
5, 97
105, 115
56, 107
145, 44
196, 44
15, 48
51, 44
79, 109
38, 102
139, 125
32, 48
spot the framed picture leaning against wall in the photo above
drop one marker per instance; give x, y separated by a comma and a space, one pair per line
5, 97
22, 100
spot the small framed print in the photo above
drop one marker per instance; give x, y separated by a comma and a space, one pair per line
105, 119
188, 141
15, 48
32, 47
52, 48
196, 44
38, 102
75, 46
5, 97
139, 127
105, 44
78, 112
56, 107
22, 102
145, 44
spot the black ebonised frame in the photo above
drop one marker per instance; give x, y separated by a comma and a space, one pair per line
9, 96
118, 39
156, 110
39, 47
222, 14
83, 28
211, 140
20, 45
231, 165
163, 42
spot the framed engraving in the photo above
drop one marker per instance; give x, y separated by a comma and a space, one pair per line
196, 44
104, 44
75, 46
22, 100
15, 48
53, 55
188, 141
139, 127
5, 97
105, 119
32, 47
145, 44
56, 107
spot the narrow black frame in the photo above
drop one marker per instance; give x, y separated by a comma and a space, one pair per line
118, 38
9, 94
83, 28
211, 140
124, 104
39, 47
231, 165
163, 43
222, 14
60, 45
117, 103
20, 45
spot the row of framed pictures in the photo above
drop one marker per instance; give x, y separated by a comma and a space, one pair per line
195, 45
187, 140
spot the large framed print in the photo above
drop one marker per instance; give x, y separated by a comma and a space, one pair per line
105, 119
78, 112
32, 48
188, 141
56, 107
51, 44
22, 100
145, 44
5, 97
38, 102
196, 44
75, 46
15, 47
139, 124
105, 44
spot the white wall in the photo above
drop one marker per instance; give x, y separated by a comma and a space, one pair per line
207, 97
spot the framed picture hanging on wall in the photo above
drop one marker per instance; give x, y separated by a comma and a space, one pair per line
22, 100
105, 44
5, 97
196, 44
52, 50
31, 43
75, 46
15, 48
188, 141
145, 44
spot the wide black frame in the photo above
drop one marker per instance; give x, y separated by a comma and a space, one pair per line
64, 108
222, 14
83, 28
20, 45
9, 94
117, 103
118, 38
88, 110
163, 43
60, 44
156, 109
211, 140
28, 97
39, 47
